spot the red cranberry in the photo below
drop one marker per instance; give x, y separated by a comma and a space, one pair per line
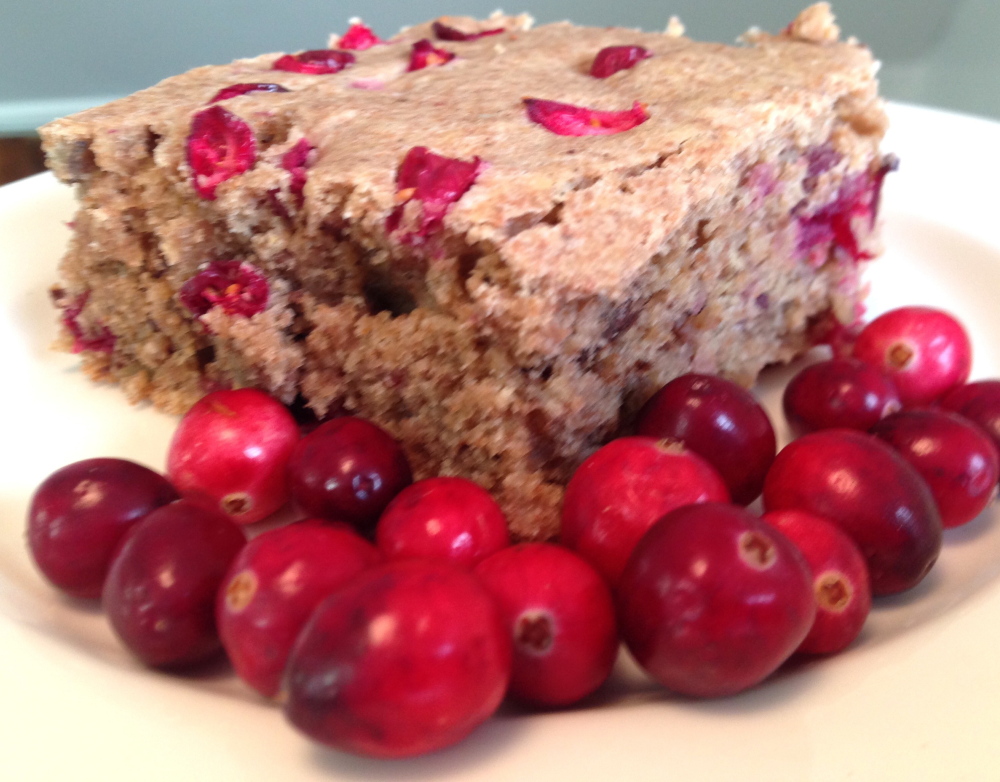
867, 489
235, 286
719, 421
612, 59
348, 469
958, 461
839, 578
407, 658
561, 617
424, 54
980, 403
273, 586
160, 592
842, 393
448, 518
565, 119
79, 514
620, 490
219, 147
358, 37
713, 600
925, 351
315, 61
231, 450
236, 90
445, 32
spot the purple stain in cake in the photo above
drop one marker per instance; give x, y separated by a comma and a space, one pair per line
219, 147
295, 161
100, 339
565, 119
315, 61
368, 84
436, 182
236, 286
445, 32
819, 160
762, 182
612, 59
358, 37
424, 54
235, 90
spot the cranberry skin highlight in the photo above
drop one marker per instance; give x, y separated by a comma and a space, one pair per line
160, 592
869, 491
348, 469
623, 488
925, 351
840, 579
957, 460
273, 586
980, 403
79, 515
561, 618
407, 658
713, 600
445, 518
842, 393
721, 422
231, 451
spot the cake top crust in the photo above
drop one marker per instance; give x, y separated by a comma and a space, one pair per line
540, 198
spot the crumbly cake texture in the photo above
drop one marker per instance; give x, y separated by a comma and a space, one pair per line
575, 276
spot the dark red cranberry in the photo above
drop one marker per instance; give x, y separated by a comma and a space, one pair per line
956, 458
561, 617
219, 147
231, 451
621, 489
79, 514
980, 403
839, 577
842, 393
235, 286
925, 351
713, 600
867, 489
348, 469
273, 586
315, 62
236, 90
424, 54
407, 658
612, 59
565, 119
719, 421
160, 592
445, 518
445, 32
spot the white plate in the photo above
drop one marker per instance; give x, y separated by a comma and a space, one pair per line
918, 697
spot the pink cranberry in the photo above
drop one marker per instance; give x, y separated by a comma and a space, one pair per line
561, 617
231, 451
612, 59
842, 393
447, 518
565, 119
713, 600
160, 592
839, 578
315, 61
978, 402
719, 421
407, 658
348, 469
925, 351
620, 490
235, 286
219, 147
958, 461
273, 586
79, 514
236, 90
867, 489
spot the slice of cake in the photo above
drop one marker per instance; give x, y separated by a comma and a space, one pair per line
494, 241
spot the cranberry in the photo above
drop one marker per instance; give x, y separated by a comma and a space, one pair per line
839, 577
315, 61
958, 461
348, 469
219, 147
980, 403
358, 37
862, 485
713, 600
719, 421
447, 33
99, 338
236, 90
296, 161
407, 658
273, 586
561, 617
842, 393
425, 54
235, 286
565, 119
449, 518
925, 351
621, 489
231, 450
612, 59
160, 592
79, 514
